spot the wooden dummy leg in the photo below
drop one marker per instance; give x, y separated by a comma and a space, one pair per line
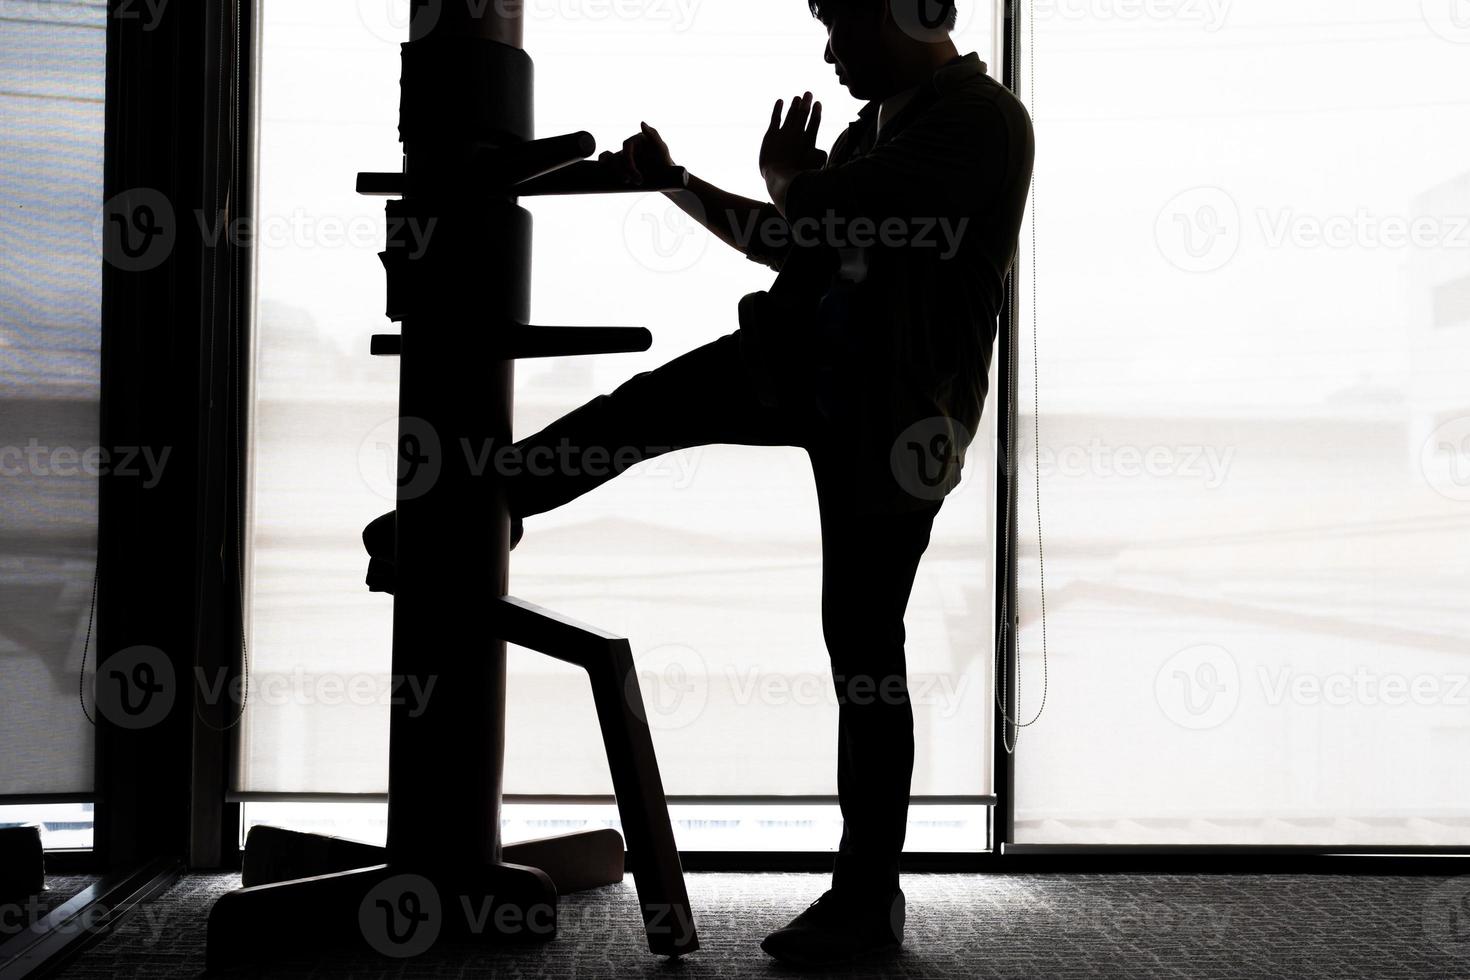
608, 660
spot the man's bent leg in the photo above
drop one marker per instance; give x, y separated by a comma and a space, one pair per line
700, 398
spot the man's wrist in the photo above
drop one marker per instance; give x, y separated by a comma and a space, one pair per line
777, 181
778, 184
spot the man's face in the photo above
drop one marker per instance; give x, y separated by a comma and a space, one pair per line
855, 48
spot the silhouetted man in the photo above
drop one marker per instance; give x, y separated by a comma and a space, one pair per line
870, 351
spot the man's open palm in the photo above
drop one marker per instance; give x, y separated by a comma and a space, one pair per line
791, 146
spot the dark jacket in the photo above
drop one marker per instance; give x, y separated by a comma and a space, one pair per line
891, 267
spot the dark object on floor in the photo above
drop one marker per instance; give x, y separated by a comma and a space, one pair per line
839, 928
22, 865
574, 863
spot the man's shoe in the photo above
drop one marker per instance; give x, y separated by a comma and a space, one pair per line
380, 539
839, 928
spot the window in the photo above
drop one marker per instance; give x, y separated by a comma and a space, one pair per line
707, 560
52, 71
1254, 440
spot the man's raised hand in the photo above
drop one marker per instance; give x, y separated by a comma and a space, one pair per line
791, 147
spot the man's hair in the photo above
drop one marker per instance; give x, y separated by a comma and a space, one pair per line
943, 11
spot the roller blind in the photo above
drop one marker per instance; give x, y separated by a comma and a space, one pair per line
1253, 243
708, 560
52, 73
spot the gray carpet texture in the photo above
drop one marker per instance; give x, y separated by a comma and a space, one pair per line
1050, 927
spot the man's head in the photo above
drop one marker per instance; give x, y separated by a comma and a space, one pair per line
883, 46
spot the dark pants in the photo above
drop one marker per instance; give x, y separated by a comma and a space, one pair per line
707, 396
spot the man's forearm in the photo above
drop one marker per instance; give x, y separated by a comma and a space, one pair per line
729, 217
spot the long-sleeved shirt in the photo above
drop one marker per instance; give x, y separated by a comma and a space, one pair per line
891, 267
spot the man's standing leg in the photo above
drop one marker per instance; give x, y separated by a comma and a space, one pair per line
869, 561
868, 566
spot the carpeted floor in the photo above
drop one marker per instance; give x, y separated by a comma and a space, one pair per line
1050, 927
59, 890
